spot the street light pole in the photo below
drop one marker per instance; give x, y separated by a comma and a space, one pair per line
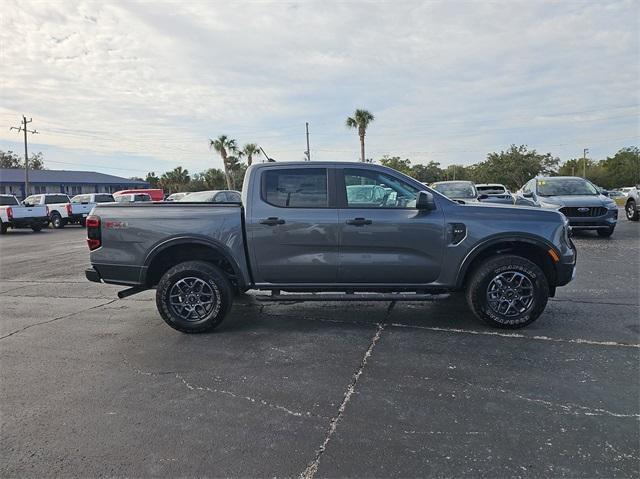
584, 162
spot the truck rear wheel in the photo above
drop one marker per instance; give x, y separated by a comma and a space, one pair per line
194, 297
3, 228
56, 220
507, 292
36, 227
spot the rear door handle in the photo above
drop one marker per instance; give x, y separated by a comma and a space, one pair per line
272, 221
359, 222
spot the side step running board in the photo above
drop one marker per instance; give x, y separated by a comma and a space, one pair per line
351, 297
131, 291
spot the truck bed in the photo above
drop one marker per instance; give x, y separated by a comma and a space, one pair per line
134, 233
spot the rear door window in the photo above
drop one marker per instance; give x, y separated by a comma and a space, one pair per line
104, 199
8, 201
296, 188
54, 199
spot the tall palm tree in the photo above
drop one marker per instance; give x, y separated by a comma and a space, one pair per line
225, 145
360, 120
249, 150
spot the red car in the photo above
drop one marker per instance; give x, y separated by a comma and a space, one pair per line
156, 194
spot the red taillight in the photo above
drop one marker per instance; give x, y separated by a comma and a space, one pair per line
93, 222
94, 233
9, 213
69, 209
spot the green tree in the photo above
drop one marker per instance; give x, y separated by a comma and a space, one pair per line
249, 150
623, 169
152, 179
175, 180
10, 159
360, 120
403, 166
36, 161
514, 167
429, 173
225, 146
237, 170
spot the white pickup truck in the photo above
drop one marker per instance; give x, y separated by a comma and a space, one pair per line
14, 215
60, 209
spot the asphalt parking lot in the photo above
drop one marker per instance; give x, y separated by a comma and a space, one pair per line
96, 386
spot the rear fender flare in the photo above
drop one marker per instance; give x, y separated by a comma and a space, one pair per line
220, 248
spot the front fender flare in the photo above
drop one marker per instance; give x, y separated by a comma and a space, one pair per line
542, 243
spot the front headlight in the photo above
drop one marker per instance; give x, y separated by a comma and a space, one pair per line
549, 205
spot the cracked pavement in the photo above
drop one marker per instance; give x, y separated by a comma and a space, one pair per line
95, 386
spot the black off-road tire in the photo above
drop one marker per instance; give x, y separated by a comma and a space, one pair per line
3, 228
215, 279
492, 267
606, 233
631, 211
36, 227
56, 220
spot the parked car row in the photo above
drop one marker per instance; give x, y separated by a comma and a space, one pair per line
586, 206
38, 211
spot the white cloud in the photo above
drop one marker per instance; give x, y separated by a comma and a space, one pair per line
447, 80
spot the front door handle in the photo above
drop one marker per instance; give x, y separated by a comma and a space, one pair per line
272, 221
359, 222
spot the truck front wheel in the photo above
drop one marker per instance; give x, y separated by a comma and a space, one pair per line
194, 296
507, 291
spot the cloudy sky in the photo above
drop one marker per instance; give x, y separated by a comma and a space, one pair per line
129, 87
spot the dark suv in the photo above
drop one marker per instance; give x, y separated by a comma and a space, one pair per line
578, 199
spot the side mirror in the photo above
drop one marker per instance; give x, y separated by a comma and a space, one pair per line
605, 192
425, 201
482, 197
527, 195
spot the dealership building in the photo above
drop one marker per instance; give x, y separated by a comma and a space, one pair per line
63, 181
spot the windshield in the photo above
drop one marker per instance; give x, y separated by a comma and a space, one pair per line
456, 189
200, 197
565, 187
491, 189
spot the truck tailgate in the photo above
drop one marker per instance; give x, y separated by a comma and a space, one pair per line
29, 211
82, 208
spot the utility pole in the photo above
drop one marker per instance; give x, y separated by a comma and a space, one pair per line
308, 152
23, 127
584, 162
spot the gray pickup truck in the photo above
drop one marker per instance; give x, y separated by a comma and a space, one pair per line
312, 231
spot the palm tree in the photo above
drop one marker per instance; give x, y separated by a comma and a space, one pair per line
360, 120
225, 145
249, 150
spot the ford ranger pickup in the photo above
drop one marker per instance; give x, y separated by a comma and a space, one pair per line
303, 232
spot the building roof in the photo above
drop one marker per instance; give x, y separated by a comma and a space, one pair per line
16, 175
